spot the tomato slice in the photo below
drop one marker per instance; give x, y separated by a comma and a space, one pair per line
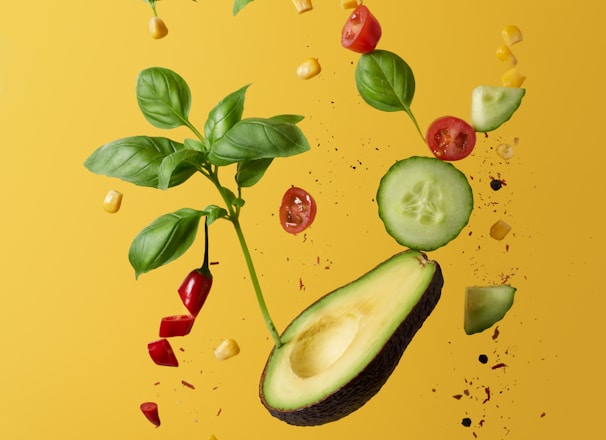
361, 32
450, 138
297, 211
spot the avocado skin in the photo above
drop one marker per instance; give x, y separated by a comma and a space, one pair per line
371, 379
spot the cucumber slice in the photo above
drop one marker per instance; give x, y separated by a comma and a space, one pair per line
486, 305
491, 106
424, 202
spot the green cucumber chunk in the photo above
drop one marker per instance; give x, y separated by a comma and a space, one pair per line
485, 306
491, 106
424, 202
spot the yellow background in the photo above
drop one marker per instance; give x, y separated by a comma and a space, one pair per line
74, 323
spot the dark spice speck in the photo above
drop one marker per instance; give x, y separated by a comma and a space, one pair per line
483, 358
496, 184
466, 422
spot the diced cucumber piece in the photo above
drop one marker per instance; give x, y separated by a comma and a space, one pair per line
424, 202
485, 306
491, 106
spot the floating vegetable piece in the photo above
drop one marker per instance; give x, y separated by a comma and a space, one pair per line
162, 353
340, 351
157, 28
112, 201
499, 230
309, 68
303, 5
512, 78
505, 151
505, 54
297, 210
492, 106
511, 34
450, 138
361, 32
178, 325
150, 410
485, 306
350, 4
227, 349
424, 202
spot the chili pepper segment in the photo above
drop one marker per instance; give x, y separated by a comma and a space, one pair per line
162, 353
195, 289
150, 410
177, 325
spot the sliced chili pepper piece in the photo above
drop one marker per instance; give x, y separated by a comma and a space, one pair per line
162, 353
178, 325
150, 410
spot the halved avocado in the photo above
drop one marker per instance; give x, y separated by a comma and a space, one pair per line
339, 352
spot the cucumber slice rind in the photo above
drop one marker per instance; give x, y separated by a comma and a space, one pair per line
486, 305
424, 202
492, 106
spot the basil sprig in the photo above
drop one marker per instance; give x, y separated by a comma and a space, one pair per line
159, 162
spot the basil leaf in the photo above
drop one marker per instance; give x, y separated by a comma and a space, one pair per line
385, 81
137, 160
224, 115
164, 240
257, 138
179, 160
163, 97
194, 144
238, 5
214, 212
250, 171
291, 119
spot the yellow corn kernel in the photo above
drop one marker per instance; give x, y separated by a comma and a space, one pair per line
309, 68
499, 230
303, 5
511, 34
504, 53
212, 437
350, 4
505, 151
157, 28
512, 78
113, 201
227, 349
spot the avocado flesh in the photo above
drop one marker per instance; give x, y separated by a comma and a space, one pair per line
339, 352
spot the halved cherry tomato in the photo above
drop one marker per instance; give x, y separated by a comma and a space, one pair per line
450, 138
361, 32
150, 410
297, 211
179, 325
162, 353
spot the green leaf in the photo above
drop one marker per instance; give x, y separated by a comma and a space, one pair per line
224, 115
163, 97
137, 160
291, 119
214, 212
164, 240
257, 138
194, 144
385, 81
250, 171
174, 162
238, 5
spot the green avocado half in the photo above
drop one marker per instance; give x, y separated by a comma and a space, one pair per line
339, 352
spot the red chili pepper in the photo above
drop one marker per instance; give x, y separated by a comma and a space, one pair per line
179, 325
162, 353
150, 410
196, 286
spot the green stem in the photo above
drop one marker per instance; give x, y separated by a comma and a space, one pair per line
255, 281
414, 121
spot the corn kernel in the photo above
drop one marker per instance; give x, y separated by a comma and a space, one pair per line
227, 349
212, 437
309, 68
350, 4
303, 5
504, 53
113, 201
499, 230
511, 34
505, 151
512, 78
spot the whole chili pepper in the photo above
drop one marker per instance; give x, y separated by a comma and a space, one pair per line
196, 286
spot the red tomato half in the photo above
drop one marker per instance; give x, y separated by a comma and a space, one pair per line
297, 211
361, 32
450, 138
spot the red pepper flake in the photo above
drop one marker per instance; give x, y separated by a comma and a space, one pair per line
499, 365
475, 435
507, 248
188, 385
495, 335
481, 422
487, 395
458, 396
219, 412
181, 349
301, 285
156, 383
543, 414
213, 263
